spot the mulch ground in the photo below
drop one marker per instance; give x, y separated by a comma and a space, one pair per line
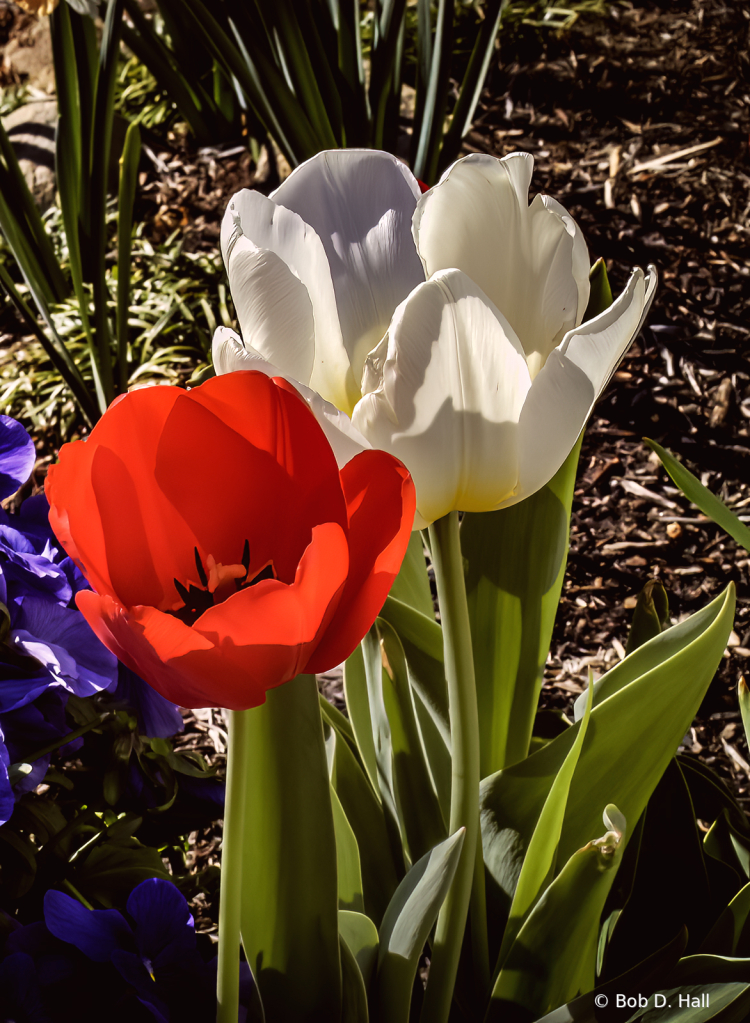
639, 124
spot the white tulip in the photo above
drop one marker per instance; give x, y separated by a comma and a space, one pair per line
452, 392
230, 353
317, 269
530, 260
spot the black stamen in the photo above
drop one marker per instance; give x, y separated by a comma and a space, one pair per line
184, 595
196, 602
201, 570
246, 557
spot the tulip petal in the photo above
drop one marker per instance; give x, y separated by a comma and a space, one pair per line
244, 432
131, 426
272, 303
260, 637
381, 501
566, 388
530, 261
272, 227
230, 354
360, 203
447, 387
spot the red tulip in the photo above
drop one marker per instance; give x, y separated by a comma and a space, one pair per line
226, 551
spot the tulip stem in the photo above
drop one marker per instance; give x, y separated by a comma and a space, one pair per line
468, 883
228, 973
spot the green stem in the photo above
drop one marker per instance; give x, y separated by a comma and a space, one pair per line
76, 894
228, 975
464, 722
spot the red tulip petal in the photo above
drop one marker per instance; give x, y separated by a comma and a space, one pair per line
73, 512
381, 500
257, 639
262, 472
278, 420
131, 428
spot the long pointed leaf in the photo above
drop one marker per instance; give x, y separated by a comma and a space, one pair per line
646, 702
406, 926
25, 210
381, 863
101, 145
539, 861
131, 154
431, 128
473, 82
708, 503
417, 802
516, 563
553, 958
55, 349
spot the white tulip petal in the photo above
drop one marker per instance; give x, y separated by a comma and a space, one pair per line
580, 259
597, 346
272, 305
360, 203
229, 354
446, 389
531, 261
269, 226
566, 388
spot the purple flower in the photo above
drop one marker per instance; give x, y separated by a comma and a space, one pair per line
157, 717
154, 950
17, 456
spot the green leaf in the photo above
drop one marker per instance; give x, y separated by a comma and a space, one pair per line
650, 617
131, 155
645, 703
361, 937
422, 642
708, 503
381, 862
513, 585
666, 857
730, 935
348, 867
29, 221
702, 988
539, 861
295, 36
406, 927
430, 128
388, 25
643, 977
417, 803
358, 706
600, 296
728, 844
412, 584
553, 957
190, 99
473, 82
112, 869
743, 695
289, 922
353, 991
